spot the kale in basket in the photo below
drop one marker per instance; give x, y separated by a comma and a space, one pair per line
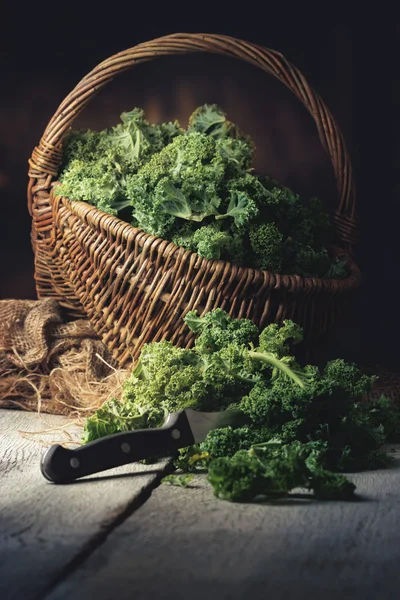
196, 188
307, 425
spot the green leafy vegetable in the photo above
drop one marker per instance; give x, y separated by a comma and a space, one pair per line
173, 202
179, 480
167, 378
95, 164
241, 208
306, 426
196, 187
267, 244
271, 471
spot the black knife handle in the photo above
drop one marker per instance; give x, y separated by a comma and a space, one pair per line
62, 465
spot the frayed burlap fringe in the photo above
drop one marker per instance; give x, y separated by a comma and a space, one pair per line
50, 364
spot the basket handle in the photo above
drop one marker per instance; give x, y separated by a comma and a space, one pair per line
46, 157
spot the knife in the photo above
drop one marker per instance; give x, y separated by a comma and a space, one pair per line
180, 429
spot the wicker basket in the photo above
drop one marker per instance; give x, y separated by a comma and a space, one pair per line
135, 287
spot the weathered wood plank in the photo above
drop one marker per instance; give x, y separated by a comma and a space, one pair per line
45, 528
187, 544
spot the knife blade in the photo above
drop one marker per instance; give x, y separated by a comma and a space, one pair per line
180, 429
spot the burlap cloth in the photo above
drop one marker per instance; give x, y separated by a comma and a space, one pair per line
50, 363
61, 366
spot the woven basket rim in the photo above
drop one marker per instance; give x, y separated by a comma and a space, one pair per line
90, 213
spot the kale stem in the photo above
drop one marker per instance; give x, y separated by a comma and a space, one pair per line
275, 362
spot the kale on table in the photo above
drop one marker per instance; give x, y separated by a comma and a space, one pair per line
307, 426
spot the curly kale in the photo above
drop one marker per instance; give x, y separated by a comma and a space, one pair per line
243, 478
184, 181
272, 470
241, 209
327, 410
327, 485
302, 426
226, 441
210, 241
95, 164
262, 472
196, 187
352, 380
179, 480
216, 329
167, 378
310, 261
212, 120
382, 411
266, 242
279, 339
98, 182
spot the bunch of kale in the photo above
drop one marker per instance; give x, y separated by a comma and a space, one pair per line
306, 426
196, 188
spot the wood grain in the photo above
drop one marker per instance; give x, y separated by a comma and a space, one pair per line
46, 529
187, 544
118, 537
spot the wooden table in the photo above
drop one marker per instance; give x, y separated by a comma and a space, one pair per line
122, 535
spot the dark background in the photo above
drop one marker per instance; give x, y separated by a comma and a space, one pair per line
353, 67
